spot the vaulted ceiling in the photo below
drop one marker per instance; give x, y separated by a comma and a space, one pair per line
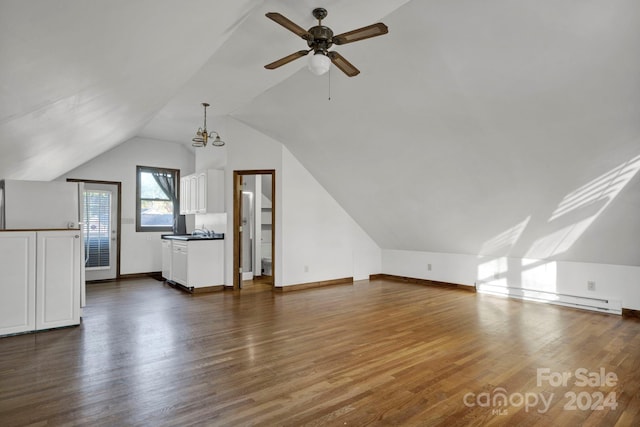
497, 128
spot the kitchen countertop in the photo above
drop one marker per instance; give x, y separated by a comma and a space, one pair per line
190, 237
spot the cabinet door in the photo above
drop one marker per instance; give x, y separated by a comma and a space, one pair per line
18, 282
201, 204
184, 195
57, 279
193, 194
179, 263
166, 259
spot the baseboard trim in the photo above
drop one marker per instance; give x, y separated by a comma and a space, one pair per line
627, 312
207, 289
311, 285
424, 282
200, 290
157, 275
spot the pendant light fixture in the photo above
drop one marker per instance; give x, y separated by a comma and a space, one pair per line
202, 136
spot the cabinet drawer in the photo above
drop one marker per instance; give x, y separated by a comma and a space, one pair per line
180, 247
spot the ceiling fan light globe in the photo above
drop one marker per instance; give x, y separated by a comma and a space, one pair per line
319, 63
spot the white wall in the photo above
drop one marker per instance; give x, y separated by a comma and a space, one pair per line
140, 252
312, 230
322, 242
616, 282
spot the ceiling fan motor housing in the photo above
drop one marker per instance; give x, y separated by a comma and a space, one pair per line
321, 38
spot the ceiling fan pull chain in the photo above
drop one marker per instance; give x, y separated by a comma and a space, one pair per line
329, 84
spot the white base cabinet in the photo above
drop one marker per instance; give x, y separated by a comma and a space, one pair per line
166, 259
197, 263
57, 279
17, 282
40, 280
179, 263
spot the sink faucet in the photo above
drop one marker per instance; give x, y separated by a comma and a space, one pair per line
202, 232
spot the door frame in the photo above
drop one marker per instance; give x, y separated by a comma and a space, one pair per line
118, 185
237, 221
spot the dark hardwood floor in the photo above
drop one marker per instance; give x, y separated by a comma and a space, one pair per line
378, 352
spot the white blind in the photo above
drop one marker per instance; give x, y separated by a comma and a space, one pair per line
97, 228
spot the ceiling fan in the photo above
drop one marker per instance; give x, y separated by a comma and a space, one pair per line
319, 39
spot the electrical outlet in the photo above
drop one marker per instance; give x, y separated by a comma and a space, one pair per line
428, 267
591, 285
306, 268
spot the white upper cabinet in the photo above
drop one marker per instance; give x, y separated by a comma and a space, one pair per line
184, 195
201, 205
202, 192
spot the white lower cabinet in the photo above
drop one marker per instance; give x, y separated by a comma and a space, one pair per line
40, 283
17, 282
166, 259
197, 263
57, 279
179, 263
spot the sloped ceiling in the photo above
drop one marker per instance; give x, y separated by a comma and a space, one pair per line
80, 77
498, 128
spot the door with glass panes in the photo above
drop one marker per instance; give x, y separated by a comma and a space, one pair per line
100, 213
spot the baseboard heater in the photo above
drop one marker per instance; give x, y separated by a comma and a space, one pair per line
603, 305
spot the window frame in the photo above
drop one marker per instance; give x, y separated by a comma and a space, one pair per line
139, 199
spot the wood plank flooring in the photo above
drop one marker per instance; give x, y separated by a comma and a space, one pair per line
375, 353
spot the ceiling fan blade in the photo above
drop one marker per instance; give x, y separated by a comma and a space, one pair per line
344, 65
280, 62
289, 25
361, 33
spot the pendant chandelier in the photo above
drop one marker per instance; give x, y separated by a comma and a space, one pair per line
202, 136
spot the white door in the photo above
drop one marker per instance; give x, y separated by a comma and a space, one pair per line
18, 284
57, 279
100, 205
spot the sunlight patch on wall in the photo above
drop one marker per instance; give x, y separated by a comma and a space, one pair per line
492, 270
503, 242
540, 277
559, 241
599, 194
606, 186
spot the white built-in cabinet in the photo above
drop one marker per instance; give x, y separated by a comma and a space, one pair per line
40, 283
179, 263
194, 263
193, 194
18, 282
184, 195
166, 259
202, 192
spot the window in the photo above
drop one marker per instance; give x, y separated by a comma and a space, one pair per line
156, 198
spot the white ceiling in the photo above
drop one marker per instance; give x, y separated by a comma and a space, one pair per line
494, 127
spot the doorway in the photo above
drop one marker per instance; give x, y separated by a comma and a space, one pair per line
101, 229
254, 229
